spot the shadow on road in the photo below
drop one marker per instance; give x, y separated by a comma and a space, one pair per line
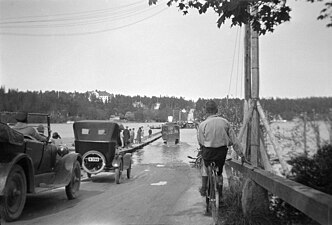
51, 202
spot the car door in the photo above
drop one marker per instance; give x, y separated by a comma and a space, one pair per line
34, 149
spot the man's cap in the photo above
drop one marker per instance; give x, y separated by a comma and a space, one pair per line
211, 107
21, 117
40, 128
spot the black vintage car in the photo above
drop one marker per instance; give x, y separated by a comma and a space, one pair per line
31, 166
99, 142
170, 132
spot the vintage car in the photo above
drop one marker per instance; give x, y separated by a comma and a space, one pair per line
99, 143
31, 166
170, 132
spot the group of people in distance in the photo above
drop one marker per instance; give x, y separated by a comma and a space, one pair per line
129, 136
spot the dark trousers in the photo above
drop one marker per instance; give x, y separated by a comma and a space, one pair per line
216, 155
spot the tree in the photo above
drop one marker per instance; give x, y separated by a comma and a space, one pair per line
268, 13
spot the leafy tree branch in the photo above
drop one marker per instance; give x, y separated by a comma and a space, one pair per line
267, 14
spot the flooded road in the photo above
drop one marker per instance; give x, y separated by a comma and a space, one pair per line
158, 152
163, 189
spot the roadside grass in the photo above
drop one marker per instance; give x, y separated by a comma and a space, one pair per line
279, 213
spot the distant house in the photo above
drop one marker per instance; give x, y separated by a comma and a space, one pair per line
156, 106
138, 104
103, 95
114, 117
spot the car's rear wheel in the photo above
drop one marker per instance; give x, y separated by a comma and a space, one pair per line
13, 200
129, 171
73, 187
118, 174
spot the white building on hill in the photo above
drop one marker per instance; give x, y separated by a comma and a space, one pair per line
103, 95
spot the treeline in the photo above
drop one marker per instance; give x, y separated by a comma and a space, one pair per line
63, 106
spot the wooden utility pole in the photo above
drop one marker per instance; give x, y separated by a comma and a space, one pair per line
247, 86
255, 140
254, 197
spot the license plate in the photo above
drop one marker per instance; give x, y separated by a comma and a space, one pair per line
93, 159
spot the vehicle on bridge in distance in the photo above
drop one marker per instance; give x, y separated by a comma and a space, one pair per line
28, 165
99, 142
170, 132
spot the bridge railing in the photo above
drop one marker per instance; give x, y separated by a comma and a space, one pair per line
311, 202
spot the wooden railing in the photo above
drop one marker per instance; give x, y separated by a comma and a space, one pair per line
311, 202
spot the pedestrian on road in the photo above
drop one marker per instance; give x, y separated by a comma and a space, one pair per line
126, 137
150, 132
142, 133
215, 135
139, 135
132, 136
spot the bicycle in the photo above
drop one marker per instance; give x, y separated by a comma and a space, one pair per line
212, 192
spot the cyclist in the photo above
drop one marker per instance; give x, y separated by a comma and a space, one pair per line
215, 135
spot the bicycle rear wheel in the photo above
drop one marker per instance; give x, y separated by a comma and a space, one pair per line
207, 196
214, 199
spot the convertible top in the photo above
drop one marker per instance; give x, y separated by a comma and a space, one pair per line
10, 135
96, 130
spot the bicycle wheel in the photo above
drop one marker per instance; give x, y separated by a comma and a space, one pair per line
214, 200
208, 192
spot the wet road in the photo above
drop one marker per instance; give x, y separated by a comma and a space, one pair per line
162, 190
158, 152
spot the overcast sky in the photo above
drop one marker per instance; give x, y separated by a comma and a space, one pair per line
129, 48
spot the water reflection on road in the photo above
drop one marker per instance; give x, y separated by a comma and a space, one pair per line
155, 152
158, 152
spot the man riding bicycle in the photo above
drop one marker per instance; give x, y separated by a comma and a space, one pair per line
215, 135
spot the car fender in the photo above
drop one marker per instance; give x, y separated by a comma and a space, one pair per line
25, 162
64, 168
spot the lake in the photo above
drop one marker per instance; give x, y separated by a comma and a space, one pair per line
290, 142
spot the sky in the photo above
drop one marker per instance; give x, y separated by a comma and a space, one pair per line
131, 48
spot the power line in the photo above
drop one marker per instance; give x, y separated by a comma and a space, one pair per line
82, 21
85, 33
19, 19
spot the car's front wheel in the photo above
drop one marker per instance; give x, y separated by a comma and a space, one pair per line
13, 200
73, 187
